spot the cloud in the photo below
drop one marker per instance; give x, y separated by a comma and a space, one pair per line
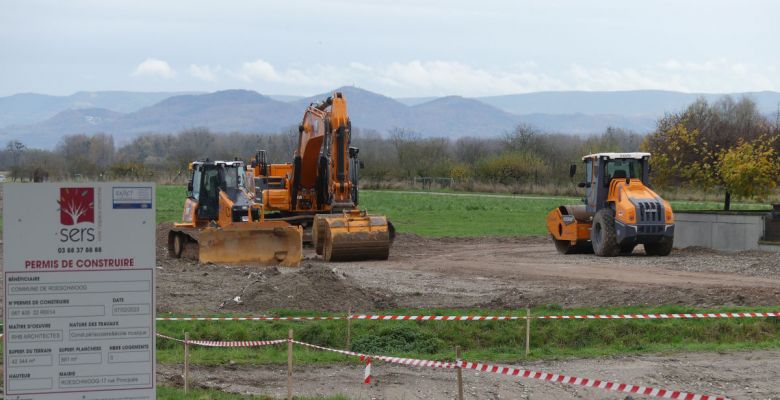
315, 76
153, 67
451, 77
204, 72
260, 69
447, 77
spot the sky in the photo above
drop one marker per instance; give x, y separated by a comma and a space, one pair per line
401, 48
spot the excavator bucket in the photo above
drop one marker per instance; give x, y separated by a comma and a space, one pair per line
264, 243
352, 236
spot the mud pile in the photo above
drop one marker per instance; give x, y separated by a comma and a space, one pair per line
312, 287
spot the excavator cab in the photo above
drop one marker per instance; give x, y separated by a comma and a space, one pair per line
223, 222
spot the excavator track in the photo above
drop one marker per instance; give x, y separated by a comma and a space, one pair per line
352, 236
265, 243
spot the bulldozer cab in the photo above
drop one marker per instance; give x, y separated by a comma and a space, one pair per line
208, 178
602, 168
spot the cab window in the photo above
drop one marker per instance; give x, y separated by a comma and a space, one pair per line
621, 169
589, 171
196, 184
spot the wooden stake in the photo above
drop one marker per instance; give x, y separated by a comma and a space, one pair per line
186, 362
289, 364
460, 373
349, 329
527, 331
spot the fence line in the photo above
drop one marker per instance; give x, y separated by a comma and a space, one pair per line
459, 364
374, 317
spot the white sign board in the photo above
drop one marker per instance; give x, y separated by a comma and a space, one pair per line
78, 310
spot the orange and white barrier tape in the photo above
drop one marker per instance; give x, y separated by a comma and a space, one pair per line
665, 316
367, 373
261, 318
435, 317
510, 371
592, 383
372, 317
213, 343
490, 368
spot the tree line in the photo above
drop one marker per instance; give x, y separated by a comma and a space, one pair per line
524, 155
725, 145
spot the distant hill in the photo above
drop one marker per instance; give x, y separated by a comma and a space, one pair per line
127, 114
224, 111
456, 116
584, 124
626, 103
29, 108
366, 109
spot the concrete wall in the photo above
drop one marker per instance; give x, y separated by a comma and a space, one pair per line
730, 232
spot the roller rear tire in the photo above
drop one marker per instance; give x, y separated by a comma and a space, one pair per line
603, 235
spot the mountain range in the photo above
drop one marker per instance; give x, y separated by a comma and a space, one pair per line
41, 120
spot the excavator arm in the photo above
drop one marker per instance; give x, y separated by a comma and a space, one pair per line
322, 184
321, 166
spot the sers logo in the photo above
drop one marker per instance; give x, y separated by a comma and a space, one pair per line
77, 208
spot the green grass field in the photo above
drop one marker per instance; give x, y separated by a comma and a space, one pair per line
487, 340
449, 214
170, 393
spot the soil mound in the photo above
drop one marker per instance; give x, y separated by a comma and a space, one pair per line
312, 287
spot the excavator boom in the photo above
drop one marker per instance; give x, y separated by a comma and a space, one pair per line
320, 187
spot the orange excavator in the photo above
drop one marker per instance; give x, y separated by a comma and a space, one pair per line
319, 189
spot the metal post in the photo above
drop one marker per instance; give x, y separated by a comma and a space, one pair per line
460, 373
349, 329
289, 364
186, 362
527, 331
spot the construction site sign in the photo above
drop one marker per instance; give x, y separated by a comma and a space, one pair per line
78, 309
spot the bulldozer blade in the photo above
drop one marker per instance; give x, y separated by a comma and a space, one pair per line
352, 237
265, 243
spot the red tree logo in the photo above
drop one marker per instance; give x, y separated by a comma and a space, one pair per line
77, 205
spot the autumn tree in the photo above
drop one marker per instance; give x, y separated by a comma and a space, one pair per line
704, 145
751, 168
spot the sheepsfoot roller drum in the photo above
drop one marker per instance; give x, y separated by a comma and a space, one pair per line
262, 243
353, 235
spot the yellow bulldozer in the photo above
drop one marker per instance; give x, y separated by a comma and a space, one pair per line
222, 223
619, 211
319, 189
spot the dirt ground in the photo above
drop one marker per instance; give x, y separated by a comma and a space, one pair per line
743, 375
491, 272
